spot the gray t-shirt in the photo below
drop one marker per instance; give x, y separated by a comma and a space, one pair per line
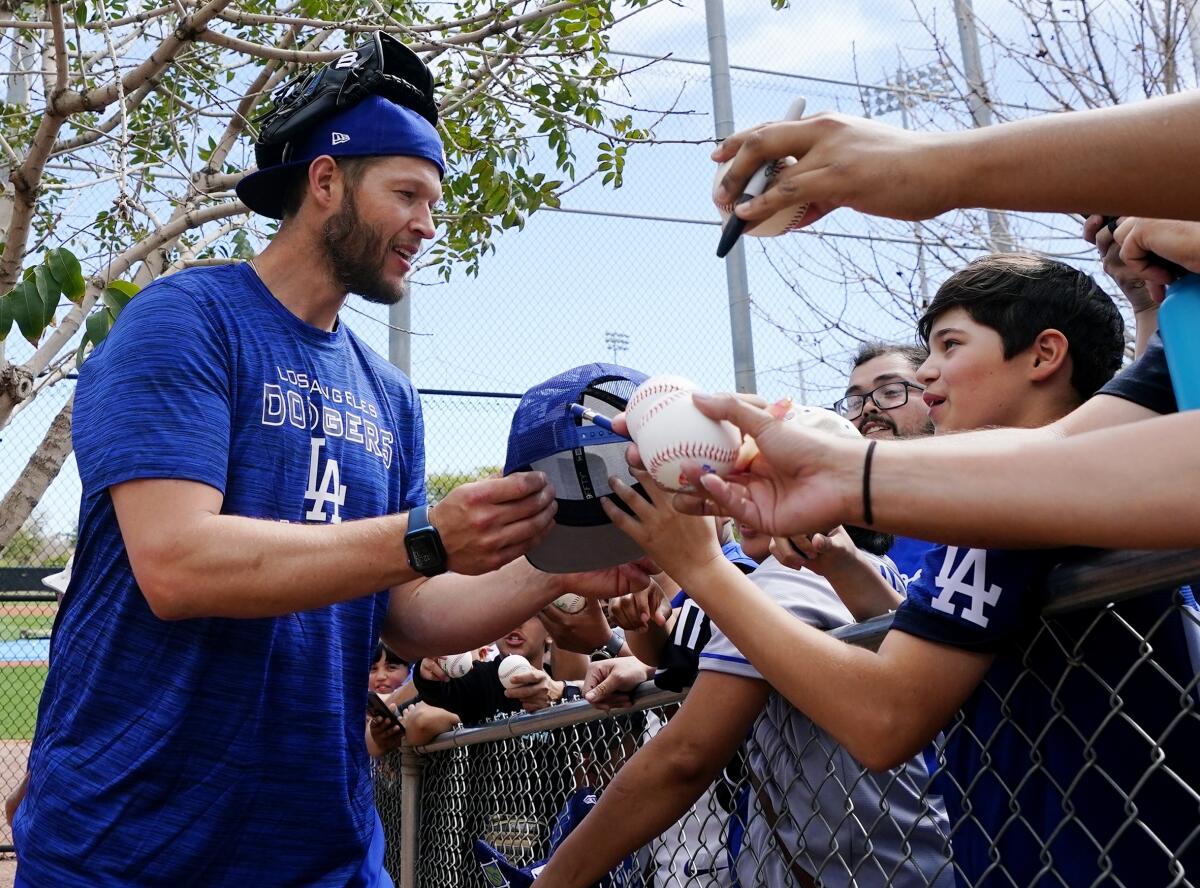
843, 824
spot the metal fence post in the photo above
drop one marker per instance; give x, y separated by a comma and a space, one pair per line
411, 766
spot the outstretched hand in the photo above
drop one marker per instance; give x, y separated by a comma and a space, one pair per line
841, 161
800, 482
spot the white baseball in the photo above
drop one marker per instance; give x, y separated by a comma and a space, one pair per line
570, 603
783, 221
512, 666
673, 431
455, 665
650, 391
823, 420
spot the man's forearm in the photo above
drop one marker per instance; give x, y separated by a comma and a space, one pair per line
230, 566
452, 613
1132, 486
1006, 166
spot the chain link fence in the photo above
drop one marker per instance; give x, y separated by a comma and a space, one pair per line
1096, 715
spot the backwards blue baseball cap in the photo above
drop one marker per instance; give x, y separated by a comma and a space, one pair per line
578, 458
374, 127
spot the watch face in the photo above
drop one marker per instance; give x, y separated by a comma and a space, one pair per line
425, 552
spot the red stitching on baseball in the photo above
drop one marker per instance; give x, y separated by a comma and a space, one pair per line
659, 406
657, 389
690, 450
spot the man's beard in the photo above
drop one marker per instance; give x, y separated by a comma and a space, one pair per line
357, 255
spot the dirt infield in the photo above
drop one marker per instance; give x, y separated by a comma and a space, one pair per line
13, 756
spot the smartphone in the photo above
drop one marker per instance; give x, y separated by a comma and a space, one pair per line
376, 706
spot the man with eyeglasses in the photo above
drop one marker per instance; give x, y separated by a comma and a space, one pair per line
882, 396
883, 400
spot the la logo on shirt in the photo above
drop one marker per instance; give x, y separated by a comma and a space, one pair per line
968, 579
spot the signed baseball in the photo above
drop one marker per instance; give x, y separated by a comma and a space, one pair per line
512, 666
570, 603
455, 665
669, 430
783, 221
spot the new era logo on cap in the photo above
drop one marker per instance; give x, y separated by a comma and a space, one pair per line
340, 138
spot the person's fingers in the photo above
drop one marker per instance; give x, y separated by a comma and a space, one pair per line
657, 493
695, 501
631, 498
1091, 226
620, 425
511, 489
750, 149
730, 499
633, 456
604, 691
751, 419
791, 189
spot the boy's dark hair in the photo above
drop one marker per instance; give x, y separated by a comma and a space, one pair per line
1019, 295
297, 183
869, 351
873, 541
393, 658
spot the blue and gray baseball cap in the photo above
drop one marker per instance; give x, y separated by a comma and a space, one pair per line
374, 127
578, 457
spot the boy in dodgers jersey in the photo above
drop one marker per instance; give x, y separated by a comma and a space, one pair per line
253, 519
1015, 341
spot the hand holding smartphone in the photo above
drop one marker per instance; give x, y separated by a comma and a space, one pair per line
376, 706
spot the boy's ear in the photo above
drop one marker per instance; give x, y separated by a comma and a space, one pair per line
1048, 355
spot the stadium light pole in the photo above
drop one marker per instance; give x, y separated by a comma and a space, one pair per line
736, 280
980, 104
910, 86
617, 342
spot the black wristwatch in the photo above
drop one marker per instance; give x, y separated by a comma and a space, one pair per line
426, 554
610, 649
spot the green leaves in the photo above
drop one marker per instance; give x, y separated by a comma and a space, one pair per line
27, 309
67, 272
117, 295
33, 302
114, 298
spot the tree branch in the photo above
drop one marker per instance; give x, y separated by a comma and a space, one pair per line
60, 48
42, 468
101, 97
68, 325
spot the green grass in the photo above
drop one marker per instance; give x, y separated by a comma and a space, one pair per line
20, 688
11, 625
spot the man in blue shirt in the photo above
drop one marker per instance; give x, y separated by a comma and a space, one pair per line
252, 520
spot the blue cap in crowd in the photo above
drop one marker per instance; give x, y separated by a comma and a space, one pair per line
578, 457
374, 127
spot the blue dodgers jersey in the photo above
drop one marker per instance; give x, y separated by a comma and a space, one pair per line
1069, 725
217, 751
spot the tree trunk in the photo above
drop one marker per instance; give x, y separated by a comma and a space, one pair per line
43, 467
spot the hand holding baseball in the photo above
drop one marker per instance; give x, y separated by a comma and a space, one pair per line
802, 480
669, 431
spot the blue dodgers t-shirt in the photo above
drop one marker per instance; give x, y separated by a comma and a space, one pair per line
1080, 718
217, 751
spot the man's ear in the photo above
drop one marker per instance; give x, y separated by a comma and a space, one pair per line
1048, 354
325, 183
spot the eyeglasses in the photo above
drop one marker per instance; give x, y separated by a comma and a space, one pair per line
888, 396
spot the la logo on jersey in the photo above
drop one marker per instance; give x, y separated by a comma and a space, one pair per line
967, 578
330, 492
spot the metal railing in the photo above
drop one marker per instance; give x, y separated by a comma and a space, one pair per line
1100, 781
